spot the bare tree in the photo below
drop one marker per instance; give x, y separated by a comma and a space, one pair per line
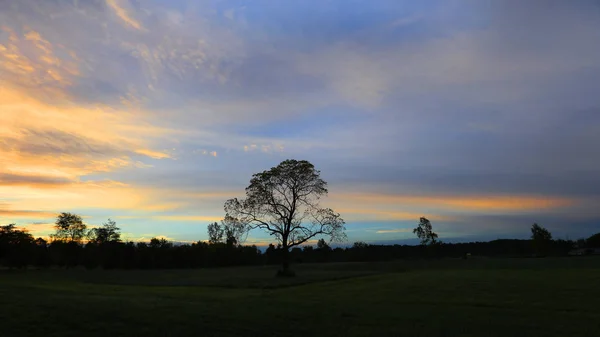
284, 202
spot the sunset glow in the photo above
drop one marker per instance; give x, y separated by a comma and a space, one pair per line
154, 113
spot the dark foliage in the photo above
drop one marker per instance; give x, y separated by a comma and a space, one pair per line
104, 249
18, 250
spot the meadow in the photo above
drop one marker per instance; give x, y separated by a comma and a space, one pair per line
446, 297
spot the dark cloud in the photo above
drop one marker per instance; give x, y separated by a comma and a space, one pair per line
11, 179
56, 143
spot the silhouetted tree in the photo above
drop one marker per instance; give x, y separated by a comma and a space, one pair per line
235, 231
593, 241
215, 233
541, 239
16, 246
69, 227
109, 232
284, 201
322, 245
229, 231
425, 232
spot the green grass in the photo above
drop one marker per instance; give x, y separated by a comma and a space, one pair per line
476, 297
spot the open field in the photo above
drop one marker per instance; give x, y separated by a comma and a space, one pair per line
475, 297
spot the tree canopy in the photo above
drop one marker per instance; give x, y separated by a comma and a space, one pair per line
69, 227
284, 202
109, 232
230, 231
539, 233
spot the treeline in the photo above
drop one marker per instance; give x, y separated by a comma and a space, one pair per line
19, 249
74, 245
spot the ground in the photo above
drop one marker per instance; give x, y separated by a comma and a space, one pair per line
449, 297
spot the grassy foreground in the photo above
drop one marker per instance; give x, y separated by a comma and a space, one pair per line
477, 297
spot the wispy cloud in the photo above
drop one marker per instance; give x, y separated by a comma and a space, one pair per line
118, 6
159, 112
398, 230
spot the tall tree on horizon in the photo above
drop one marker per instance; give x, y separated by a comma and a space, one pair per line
541, 239
284, 202
425, 232
69, 227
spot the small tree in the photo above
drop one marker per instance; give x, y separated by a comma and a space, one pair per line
284, 202
215, 233
69, 227
541, 239
425, 232
109, 232
230, 231
322, 245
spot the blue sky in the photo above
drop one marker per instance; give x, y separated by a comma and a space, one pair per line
482, 115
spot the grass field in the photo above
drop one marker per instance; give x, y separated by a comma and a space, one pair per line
475, 297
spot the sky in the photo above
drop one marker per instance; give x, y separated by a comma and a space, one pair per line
483, 116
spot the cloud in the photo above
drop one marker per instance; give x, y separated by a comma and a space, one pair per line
399, 230
67, 142
380, 213
11, 179
175, 218
31, 61
120, 11
13, 214
153, 154
451, 110
452, 203
266, 148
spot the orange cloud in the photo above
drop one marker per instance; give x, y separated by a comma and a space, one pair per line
460, 203
123, 15
383, 215
66, 141
31, 61
12, 214
399, 230
182, 218
42, 230
153, 154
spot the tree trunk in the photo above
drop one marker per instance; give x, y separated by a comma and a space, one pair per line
285, 263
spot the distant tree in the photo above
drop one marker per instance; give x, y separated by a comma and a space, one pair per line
284, 202
215, 233
109, 232
322, 245
235, 231
157, 243
229, 231
271, 254
69, 227
541, 239
425, 232
539, 233
593, 241
360, 245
